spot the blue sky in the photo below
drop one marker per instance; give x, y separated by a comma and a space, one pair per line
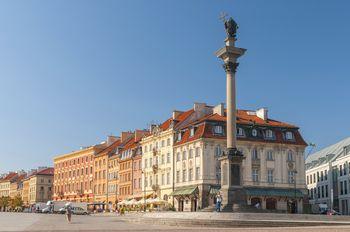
72, 72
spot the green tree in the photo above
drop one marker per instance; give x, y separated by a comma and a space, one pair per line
4, 202
16, 202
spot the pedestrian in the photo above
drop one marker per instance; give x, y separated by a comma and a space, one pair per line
218, 202
69, 212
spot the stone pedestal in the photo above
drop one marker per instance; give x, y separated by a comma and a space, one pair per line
233, 194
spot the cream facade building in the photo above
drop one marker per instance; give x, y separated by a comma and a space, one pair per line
41, 186
273, 169
327, 177
158, 153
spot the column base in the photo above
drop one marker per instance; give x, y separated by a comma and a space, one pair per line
234, 200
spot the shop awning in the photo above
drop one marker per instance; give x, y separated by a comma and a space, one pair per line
274, 192
185, 191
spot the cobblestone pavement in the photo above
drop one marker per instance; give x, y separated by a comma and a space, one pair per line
42, 222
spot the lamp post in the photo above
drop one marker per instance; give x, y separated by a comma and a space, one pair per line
295, 190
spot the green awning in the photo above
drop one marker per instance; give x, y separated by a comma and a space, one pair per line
185, 191
274, 192
214, 190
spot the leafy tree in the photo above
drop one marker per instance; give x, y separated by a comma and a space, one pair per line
16, 202
4, 202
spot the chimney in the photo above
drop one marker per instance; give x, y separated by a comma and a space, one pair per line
125, 135
176, 114
201, 109
219, 109
139, 134
262, 113
111, 139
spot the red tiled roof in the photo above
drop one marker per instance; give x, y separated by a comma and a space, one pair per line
10, 176
110, 147
205, 130
46, 171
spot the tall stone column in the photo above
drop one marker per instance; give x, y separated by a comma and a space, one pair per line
231, 162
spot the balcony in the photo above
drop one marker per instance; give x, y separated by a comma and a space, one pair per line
155, 168
155, 187
256, 162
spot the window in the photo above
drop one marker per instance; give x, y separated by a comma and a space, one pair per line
184, 156
163, 143
307, 180
190, 154
269, 155
254, 132
290, 156
197, 173
150, 181
318, 177
197, 152
146, 148
289, 135
146, 182
163, 159
218, 130
270, 176
240, 132
184, 175
255, 175
192, 132
255, 155
322, 191
345, 187
168, 178
321, 175
179, 136
318, 192
168, 157
190, 174
326, 188
218, 151
177, 176
178, 156
269, 134
146, 164
150, 162
168, 142
325, 174
290, 177
163, 179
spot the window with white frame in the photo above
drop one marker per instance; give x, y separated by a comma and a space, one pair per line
190, 153
197, 151
168, 178
254, 132
178, 156
192, 132
184, 175
218, 150
177, 176
184, 155
146, 163
269, 134
163, 159
218, 129
179, 136
240, 131
289, 135
269, 155
163, 143
190, 174
168, 142
163, 179
270, 176
255, 155
168, 157
290, 156
197, 173
150, 162
255, 175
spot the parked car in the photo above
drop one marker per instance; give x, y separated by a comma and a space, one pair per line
333, 212
79, 211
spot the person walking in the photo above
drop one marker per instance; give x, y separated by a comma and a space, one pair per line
218, 202
69, 212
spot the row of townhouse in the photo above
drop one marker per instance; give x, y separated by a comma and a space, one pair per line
328, 178
178, 161
32, 187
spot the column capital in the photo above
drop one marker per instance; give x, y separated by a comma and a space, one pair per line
230, 66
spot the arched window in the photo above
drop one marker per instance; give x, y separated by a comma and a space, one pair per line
218, 150
254, 132
290, 155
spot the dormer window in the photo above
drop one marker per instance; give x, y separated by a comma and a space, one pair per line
289, 135
218, 130
254, 132
269, 134
240, 132
192, 132
179, 136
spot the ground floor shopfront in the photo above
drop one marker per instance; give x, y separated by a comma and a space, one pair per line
195, 198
